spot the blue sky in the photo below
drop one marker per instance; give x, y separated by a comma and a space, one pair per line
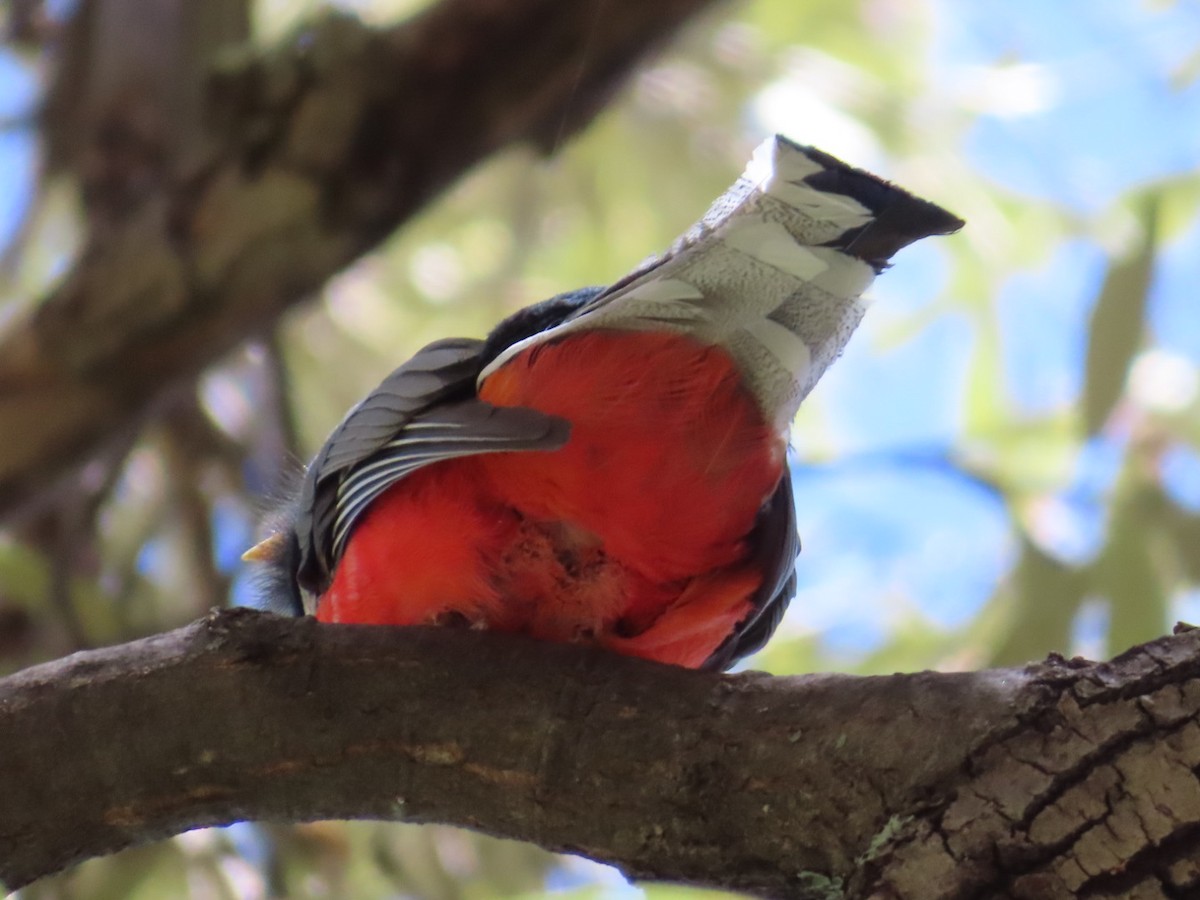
1116, 120
18, 159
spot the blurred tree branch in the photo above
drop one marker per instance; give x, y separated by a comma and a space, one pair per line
1062, 779
312, 155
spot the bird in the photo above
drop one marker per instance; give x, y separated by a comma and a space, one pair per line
607, 466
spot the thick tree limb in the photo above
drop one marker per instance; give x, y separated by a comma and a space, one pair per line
319, 152
1059, 780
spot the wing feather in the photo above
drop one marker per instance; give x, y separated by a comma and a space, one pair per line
445, 432
777, 545
424, 412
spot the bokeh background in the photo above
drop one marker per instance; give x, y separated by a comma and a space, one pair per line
1005, 462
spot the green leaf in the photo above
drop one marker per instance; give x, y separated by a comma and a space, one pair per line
985, 407
1128, 571
1045, 594
680, 892
1183, 533
1116, 327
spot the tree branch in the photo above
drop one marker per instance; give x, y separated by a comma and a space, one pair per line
319, 151
1064, 779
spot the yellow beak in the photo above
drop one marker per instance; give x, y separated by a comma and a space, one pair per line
266, 550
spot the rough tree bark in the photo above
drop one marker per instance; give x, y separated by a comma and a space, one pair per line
317, 152
1062, 779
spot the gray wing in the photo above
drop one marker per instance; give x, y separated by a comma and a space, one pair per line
776, 547
443, 432
424, 412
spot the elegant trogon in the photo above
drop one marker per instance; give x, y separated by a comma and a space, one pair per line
608, 465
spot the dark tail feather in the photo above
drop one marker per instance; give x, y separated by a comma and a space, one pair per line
900, 218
